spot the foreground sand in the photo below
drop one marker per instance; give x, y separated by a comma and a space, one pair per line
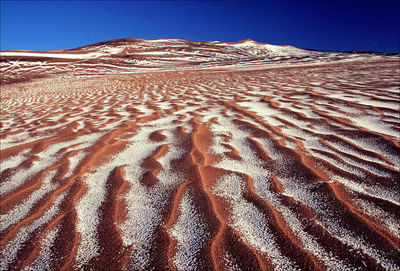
283, 168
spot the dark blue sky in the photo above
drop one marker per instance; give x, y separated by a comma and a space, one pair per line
326, 25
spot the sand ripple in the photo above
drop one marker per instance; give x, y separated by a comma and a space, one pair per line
291, 168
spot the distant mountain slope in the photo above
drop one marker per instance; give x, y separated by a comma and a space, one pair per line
125, 56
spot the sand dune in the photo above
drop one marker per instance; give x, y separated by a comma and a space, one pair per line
258, 162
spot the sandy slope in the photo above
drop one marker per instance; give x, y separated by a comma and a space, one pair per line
253, 166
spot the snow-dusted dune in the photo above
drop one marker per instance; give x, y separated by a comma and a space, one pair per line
127, 56
177, 155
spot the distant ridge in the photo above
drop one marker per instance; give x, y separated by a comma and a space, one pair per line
132, 55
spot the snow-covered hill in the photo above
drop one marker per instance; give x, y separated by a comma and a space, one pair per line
125, 56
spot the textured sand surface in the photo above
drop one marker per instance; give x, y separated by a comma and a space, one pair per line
237, 156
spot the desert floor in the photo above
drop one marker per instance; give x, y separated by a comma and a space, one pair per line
292, 168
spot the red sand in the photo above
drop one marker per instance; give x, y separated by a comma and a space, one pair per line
246, 166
